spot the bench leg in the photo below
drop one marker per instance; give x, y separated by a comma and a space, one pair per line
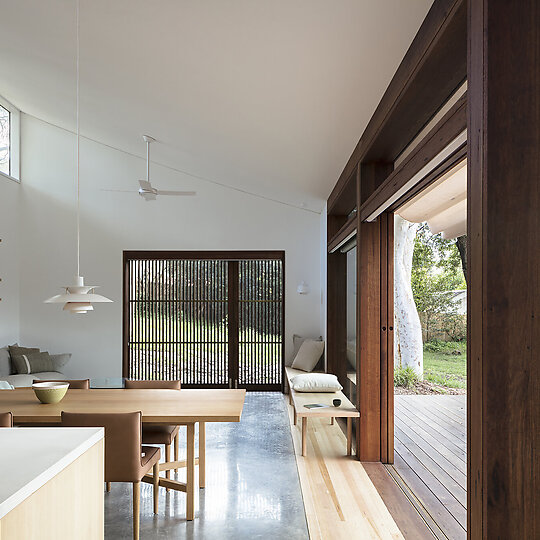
332, 421
295, 417
349, 435
304, 434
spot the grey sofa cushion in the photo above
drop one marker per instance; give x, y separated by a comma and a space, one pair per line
15, 351
59, 360
32, 363
5, 362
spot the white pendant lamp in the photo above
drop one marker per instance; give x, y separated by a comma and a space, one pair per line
78, 298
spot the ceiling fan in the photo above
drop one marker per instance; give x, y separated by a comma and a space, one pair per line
146, 190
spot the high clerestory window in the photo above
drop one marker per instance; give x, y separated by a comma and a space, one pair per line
9, 140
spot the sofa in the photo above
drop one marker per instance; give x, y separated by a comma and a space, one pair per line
10, 374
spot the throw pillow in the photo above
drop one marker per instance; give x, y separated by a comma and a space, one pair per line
297, 343
15, 351
32, 363
316, 382
308, 355
5, 362
59, 360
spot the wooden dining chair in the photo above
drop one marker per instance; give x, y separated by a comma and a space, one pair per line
6, 419
159, 433
125, 459
74, 384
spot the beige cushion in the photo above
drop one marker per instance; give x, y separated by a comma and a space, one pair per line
316, 382
308, 355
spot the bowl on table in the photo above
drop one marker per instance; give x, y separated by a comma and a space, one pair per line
49, 391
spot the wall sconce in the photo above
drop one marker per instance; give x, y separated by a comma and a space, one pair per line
302, 288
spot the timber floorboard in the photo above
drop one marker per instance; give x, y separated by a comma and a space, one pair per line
431, 458
345, 499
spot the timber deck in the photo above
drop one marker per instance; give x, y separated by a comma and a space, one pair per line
430, 440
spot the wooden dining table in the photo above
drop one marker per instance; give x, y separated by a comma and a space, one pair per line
158, 406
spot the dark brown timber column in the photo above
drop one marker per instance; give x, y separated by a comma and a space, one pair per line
504, 269
337, 316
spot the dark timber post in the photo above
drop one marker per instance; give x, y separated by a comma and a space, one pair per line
232, 319
504, 269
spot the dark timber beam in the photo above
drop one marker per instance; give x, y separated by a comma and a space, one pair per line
434, 66
436, 141
504, 270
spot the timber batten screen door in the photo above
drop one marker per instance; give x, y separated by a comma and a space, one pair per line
210, 319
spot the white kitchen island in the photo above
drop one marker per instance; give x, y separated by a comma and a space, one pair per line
51, 483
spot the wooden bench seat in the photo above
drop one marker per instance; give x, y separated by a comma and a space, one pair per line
298, 400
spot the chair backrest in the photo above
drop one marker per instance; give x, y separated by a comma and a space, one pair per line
76, 384
156, 385
6, 419
122, 441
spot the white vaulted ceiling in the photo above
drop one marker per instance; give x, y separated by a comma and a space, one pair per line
269, 96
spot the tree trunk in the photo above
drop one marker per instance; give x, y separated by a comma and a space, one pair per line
461, 243
408, 330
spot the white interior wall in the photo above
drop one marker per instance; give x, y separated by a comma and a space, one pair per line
218, 218
9, 262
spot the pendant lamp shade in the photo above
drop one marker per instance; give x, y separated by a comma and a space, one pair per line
78, 298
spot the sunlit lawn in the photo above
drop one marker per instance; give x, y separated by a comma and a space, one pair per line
444, 368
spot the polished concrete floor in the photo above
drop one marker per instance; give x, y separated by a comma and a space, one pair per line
252, 486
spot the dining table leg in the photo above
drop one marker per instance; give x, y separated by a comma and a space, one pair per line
202, 454
176, 448
190, 476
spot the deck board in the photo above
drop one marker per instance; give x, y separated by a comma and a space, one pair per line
430, 457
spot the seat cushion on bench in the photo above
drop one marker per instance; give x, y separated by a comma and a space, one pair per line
315, 382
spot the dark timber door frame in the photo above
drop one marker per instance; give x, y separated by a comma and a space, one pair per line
247, 306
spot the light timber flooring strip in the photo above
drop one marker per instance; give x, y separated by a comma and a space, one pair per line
340, 500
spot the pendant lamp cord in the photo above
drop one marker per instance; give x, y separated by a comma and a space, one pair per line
78, 144
148, 161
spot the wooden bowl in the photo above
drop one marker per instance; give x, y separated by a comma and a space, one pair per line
50, 392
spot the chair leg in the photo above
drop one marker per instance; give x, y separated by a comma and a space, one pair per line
136, 509
108, 487
176, 449
156, 487
167, 458
202, 454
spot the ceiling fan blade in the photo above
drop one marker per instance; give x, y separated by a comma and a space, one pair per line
178, 193
148, 196
119, 190
145, 185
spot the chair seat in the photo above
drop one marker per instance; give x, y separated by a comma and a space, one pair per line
159, 434
151, 455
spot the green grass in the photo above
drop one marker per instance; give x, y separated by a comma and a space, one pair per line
442, 366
